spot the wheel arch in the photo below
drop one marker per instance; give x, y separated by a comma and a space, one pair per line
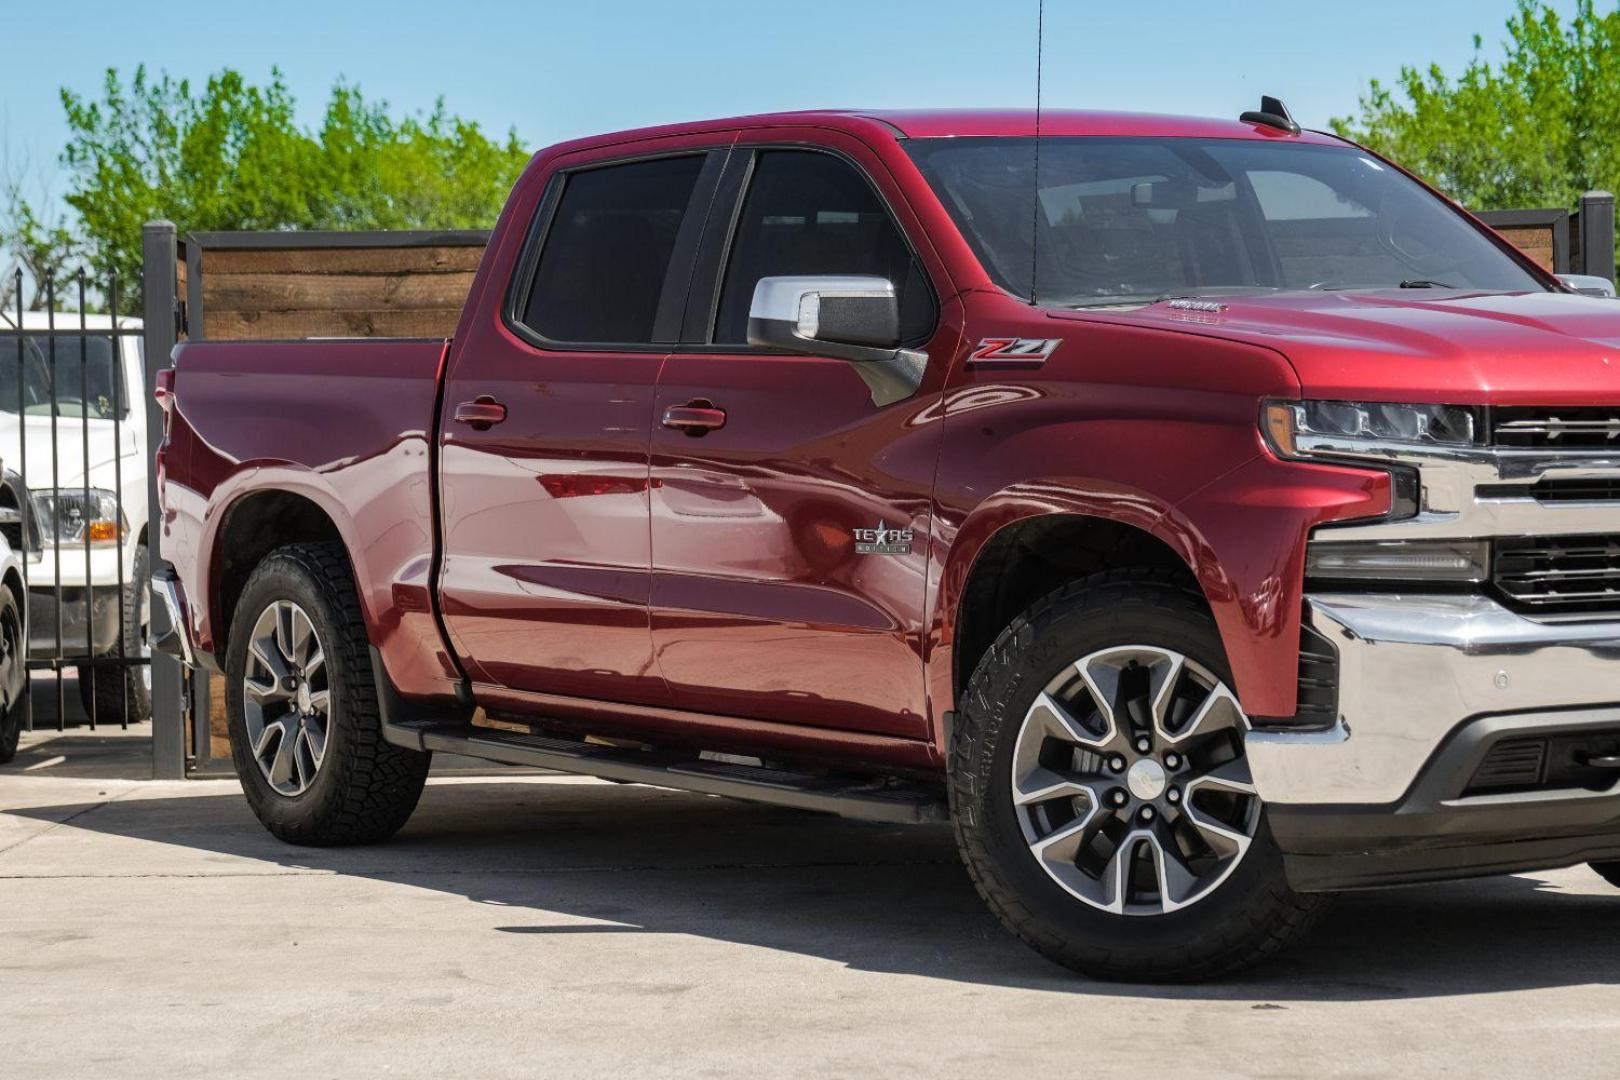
1031, 539
251, 527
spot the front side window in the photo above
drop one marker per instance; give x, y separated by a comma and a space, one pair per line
810, 213
607, 252
1131, 220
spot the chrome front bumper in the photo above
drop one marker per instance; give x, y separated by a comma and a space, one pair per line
1415, 669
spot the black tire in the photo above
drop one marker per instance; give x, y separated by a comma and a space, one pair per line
1608, 871
1250, 915
364, 788
13, 674
109, 690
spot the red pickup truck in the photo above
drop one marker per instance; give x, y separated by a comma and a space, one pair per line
1203, 516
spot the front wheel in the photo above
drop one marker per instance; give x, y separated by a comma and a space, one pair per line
301, 703
1102, 796
1608, 871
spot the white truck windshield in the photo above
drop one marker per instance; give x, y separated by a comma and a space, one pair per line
82, 382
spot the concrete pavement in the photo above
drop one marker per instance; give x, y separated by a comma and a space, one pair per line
559, 927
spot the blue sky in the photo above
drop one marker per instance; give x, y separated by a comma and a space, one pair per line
557, 70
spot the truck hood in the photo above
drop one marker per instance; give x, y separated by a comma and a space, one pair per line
1468, 348
70, 450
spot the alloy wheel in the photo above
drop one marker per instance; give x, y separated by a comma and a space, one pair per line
286, 698
1130, 783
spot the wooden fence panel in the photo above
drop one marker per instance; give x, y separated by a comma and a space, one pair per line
303, 285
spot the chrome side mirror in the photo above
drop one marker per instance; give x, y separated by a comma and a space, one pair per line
852, 318
1588, 284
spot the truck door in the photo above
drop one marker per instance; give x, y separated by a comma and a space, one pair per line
547, 414
790, 514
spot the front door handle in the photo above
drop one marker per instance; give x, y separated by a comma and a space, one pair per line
695, 417
481, 413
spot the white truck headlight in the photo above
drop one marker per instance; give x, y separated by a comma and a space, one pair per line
75, 517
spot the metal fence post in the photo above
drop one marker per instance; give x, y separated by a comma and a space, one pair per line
1597, 234
159, 310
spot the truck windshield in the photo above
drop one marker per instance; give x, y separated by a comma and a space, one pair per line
81, 389
1132, 220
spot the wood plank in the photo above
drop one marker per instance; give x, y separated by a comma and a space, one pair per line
1534, 241
228, 325
219, 731
425, 260
334, 292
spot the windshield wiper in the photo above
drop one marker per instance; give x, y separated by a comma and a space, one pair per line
1423, 283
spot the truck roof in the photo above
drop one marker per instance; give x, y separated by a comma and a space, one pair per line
967, 123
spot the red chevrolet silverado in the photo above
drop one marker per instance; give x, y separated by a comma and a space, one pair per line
1202, 516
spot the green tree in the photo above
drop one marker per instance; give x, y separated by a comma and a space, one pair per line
1534, 128
43, 251
37, 244
232, 156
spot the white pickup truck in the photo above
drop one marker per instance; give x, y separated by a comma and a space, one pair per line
78, 526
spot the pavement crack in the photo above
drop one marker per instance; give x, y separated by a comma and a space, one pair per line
53, 826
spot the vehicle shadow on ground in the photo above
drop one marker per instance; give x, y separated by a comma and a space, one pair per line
583, 858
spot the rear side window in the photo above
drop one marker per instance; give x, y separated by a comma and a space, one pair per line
812, 213
607, 251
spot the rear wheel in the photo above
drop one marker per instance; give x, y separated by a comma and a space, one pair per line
306, 735
1101, 792
1608, 871
13, 674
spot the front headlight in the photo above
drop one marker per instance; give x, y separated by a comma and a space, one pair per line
74, 516
1297, 429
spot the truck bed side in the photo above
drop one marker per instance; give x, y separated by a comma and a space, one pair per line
336, 435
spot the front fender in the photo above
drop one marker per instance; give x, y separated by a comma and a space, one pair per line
1241, 534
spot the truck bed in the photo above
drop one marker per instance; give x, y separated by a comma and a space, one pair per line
344, 424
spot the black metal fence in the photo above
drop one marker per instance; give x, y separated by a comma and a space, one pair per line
73, 501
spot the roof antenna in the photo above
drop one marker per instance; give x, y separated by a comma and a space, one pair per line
1273, 114
1035, 195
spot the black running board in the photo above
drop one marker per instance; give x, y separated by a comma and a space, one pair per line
904, 805
448, 731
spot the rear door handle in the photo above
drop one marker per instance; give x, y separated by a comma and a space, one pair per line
481, 413
695, 417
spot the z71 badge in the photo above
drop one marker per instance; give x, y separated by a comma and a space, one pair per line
882, 540
1006, 350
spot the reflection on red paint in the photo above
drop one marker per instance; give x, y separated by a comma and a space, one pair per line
574, 485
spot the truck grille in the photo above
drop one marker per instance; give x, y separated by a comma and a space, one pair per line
1560, 574
1590, 427
1580, 489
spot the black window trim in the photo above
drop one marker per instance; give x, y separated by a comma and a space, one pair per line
677, 279
703, 302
